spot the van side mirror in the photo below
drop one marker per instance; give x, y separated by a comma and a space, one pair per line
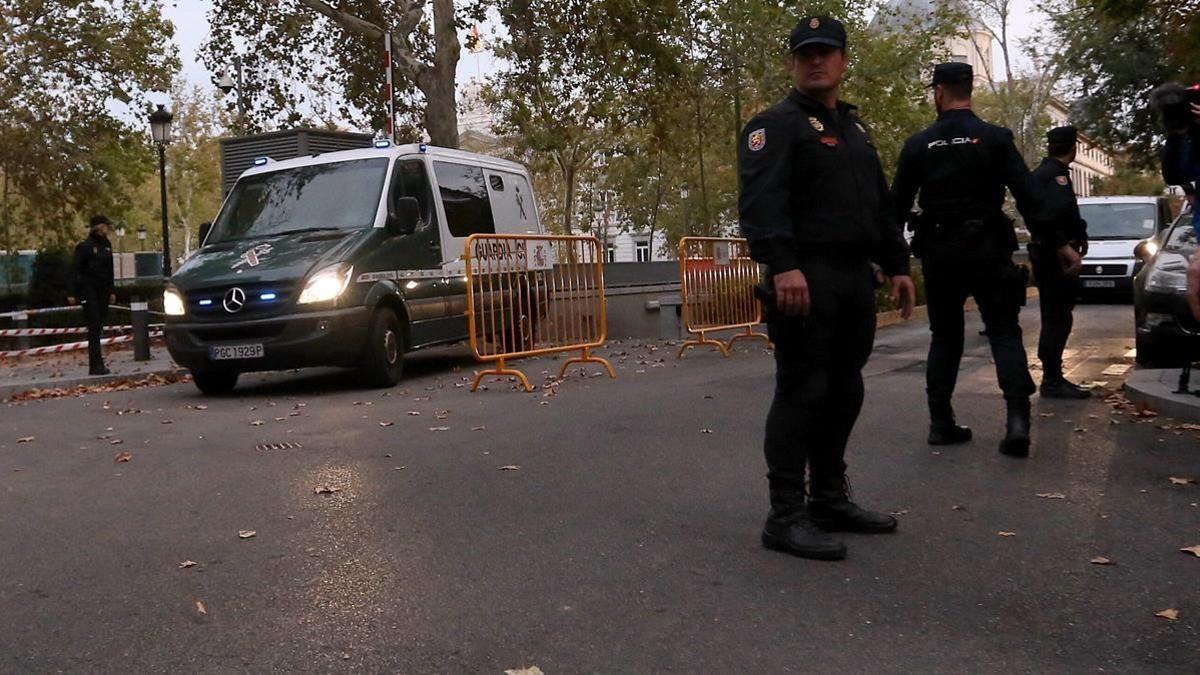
403, 218
205, 228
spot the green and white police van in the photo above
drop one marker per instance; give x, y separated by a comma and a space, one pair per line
348, 258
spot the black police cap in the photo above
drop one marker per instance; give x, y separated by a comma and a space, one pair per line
818, 30
1067, 135
99, 220
952, 73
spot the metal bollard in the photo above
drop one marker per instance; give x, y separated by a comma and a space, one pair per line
21, 320
141, 330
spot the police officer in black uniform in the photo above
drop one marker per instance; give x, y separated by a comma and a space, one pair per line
92, 285
815, 207
1059, 240
961, 165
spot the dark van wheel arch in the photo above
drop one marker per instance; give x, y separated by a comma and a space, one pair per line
215, 382
383, 356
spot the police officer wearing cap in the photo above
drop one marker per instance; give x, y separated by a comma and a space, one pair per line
1056, 247
92, 285
815, 208
961, 165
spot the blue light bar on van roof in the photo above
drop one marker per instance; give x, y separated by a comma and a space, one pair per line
259, 161
423, 148
383, 143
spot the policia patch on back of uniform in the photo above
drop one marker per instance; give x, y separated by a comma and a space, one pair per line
758, 140
1062, 180
816, 124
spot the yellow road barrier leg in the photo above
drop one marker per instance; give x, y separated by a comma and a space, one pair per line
704, 340
501, 371
587, 357
749, 334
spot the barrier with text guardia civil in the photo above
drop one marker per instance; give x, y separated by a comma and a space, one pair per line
716, 284
535, 294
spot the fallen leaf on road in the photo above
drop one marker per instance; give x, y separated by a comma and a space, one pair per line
201, 407
1045, 414
1194, 550
122, 457
246, 534
1100, 560
1080, 430
201, 608
188, 563
901, 512
958, 507
511, 467
414, 413
256, 423
478, 428
1168, 614
167, 422
386, 424
706, 431
1002, 533
1051, 495
116, 441
439, 428
531, 670
26, 439
1182, 481
326, 490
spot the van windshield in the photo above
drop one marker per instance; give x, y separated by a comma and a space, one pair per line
1119, 221
338, 195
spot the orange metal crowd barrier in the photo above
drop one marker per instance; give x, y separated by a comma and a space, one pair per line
535, 294
717, 279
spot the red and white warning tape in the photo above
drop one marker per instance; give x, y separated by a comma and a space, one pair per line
76, 330
42, 310
69, 346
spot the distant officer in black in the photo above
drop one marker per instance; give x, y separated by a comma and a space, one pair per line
1059, 240
816, 210
961, 165
92, 285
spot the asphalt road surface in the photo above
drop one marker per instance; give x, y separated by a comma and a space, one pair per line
625, 540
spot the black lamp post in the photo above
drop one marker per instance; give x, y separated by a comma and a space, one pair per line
141, 234
160, 129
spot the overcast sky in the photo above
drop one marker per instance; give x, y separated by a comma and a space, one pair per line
191, 29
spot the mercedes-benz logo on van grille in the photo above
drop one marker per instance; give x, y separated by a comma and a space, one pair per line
235, 300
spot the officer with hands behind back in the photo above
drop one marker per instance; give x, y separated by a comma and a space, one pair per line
1059, 240
92, 285
961, 165
815, 209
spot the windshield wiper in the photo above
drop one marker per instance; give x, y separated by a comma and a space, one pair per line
280, 234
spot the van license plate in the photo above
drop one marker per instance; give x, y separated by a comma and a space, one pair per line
1099, 283
230, 352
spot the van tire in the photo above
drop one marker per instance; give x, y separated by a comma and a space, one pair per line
383, 356
215, 382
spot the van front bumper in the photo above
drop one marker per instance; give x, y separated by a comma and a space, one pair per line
1106, 275
322, 338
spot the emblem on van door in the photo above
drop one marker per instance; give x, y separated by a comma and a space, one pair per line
252, 257
235, 300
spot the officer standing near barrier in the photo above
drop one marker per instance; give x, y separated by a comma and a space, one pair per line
92, 285
961, 165
815, 208
1059, 240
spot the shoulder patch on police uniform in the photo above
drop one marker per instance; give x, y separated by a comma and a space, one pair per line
816, 123
758, 139
1062, 180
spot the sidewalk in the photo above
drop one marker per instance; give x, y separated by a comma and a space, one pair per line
1155, 388
63, 371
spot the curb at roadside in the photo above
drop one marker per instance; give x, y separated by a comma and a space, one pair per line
8, 391
1155, 389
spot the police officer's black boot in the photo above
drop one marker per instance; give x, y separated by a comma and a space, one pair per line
790, 530
831, 507
1016, 437
943, 430
1059, 387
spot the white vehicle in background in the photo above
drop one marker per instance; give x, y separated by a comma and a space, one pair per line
1121, 233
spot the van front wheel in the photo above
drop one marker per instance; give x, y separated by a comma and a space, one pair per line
215, 382
383, 358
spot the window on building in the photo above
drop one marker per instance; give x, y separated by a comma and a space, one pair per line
610, 253
465, 199
641, 249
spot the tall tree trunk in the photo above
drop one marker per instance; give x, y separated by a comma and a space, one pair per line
441, 111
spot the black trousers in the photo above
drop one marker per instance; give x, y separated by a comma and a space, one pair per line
1056, 297
948, 282
818, 376
95, 311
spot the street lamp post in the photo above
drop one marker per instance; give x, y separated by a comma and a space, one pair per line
160, 129
141, 234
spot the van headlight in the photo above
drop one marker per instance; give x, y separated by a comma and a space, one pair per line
173, 303
327, 284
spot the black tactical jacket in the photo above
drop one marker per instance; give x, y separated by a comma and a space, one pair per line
1055, 221
92, 268
961, 165
811, 182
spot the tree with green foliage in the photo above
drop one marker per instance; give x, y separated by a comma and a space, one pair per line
339, 46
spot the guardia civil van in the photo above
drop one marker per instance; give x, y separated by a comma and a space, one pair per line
349, 258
